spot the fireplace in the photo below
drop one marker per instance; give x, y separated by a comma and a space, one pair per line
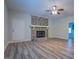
40, 34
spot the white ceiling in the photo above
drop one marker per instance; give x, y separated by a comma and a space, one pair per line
38, 7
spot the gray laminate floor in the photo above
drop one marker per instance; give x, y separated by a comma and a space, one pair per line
43, 49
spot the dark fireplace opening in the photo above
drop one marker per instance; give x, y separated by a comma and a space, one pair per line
40, 34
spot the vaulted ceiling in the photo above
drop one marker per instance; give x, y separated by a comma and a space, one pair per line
38, 7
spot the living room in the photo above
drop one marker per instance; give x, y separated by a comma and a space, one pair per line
33, 24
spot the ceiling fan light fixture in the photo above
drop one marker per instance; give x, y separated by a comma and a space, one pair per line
54, 12
54, 7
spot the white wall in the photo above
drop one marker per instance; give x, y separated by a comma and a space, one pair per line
5, 26
19, 26
50, 27
59, 27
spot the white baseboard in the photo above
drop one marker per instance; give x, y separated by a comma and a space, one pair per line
58, 38
21, 40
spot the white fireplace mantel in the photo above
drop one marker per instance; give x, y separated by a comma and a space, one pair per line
39, 26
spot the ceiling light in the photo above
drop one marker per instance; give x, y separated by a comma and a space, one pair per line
54, 12
54, 7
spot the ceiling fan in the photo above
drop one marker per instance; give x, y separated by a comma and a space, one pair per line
55, 10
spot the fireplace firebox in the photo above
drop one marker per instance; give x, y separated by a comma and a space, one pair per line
40, 34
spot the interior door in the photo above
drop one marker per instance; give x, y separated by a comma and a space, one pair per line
17, 29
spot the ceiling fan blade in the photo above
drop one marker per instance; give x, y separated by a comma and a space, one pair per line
60, 9
58, 12
48, 10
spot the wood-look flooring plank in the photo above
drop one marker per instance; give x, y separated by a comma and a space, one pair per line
41, 49
38, 54
60, 48
57, 51
48, 51
44, 53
